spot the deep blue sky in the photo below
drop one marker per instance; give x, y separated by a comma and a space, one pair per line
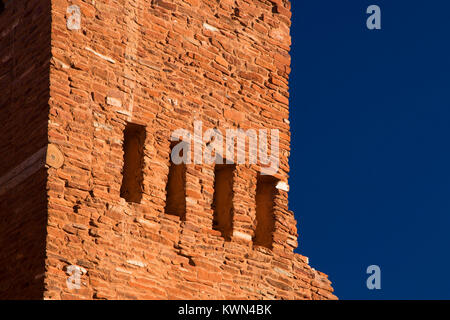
370, 160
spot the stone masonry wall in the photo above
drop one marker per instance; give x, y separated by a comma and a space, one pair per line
161, 65
24, 95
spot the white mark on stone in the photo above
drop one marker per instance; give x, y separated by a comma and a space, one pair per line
210, 27
74, 17
124, 112
123, 270
191, 201
136, 263
113, 102
74, 279
100, 55
59, 63
173, 102
282, 186
242, 235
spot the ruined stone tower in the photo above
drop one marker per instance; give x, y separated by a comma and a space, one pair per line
90, 93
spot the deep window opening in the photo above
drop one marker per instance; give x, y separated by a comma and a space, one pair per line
265, 220
274, 7
223, 200
176, 189
133, 157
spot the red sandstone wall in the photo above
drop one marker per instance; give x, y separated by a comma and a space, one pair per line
24, 95
163, 65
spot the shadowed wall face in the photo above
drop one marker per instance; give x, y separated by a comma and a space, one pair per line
24, 109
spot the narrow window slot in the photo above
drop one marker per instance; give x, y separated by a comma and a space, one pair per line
176, 189
265, 219
133, 150
223, 200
